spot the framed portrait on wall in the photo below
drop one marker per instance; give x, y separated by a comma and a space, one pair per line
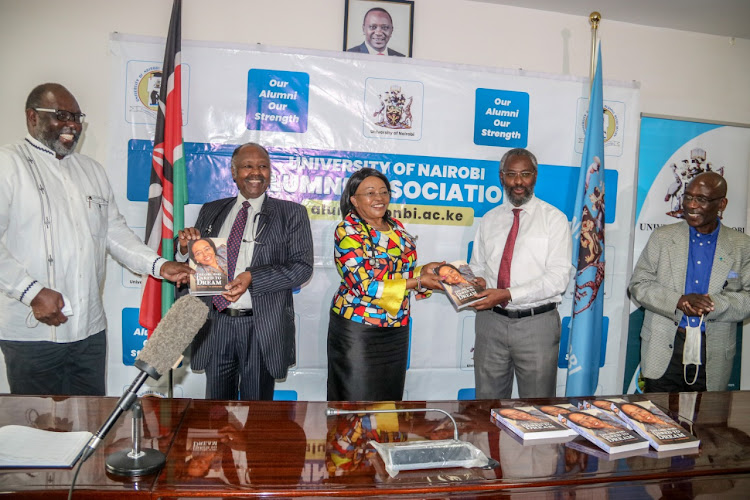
379, 27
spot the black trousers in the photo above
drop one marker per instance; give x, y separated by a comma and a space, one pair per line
673, 379
236, 369
366, 363
69, 369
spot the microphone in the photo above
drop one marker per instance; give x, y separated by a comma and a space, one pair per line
162, 351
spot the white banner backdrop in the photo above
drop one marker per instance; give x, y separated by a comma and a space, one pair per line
672, 152
437, 131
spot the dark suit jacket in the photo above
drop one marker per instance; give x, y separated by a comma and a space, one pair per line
363, 49
282, 260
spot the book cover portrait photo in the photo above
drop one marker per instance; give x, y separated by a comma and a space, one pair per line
208, 256
459, 283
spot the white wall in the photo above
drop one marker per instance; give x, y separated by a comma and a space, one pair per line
681, 73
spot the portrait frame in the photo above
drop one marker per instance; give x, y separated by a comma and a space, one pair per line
401, 12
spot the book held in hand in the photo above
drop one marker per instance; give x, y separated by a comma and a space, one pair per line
529, 423
608, 433
28, 447
208, 257
459, 283
649, 421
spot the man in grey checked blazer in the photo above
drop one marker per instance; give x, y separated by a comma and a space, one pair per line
660, 285
248, 345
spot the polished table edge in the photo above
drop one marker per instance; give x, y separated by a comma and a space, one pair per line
157, 490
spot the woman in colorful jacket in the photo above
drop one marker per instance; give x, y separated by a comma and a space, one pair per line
368, 332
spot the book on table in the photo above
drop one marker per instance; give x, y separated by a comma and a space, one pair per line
605, 431
530, 424
28, 447
589, 448
648, 420
604, 405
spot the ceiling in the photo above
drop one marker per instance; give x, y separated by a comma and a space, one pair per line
715, 17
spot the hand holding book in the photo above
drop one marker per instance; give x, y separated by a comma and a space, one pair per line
459, 283
428, 280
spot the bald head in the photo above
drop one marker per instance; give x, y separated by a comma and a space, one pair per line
714, 181
34, 100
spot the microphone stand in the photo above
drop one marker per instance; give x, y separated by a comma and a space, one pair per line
123, 405
330, 412
136, 462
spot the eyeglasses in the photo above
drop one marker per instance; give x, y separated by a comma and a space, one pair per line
372, 194
700, 200
383, 27
64, 116
526, 174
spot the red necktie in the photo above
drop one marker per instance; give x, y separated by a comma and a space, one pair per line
233, 250
503, 274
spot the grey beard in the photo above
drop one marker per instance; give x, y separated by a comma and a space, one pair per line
55, 145
518, 201
61, 150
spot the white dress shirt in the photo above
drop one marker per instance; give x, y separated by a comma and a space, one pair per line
253, 229
541, 267
57, 237
245, 256
373, 51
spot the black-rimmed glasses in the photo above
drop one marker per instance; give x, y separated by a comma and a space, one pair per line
64, 116
700, 200
526, 174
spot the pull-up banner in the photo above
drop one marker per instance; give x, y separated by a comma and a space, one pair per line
437, 131
672, 152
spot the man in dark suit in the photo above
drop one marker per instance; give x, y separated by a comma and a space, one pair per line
249, 338
377, 28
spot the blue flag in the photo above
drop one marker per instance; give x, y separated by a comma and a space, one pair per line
584, 349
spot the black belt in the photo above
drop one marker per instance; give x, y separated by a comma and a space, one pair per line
235, 313
524, 313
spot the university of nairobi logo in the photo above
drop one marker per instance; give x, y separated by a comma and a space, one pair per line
611, 124
683, 172
146, 89
394, 109
613, 118
610, 121
144, 82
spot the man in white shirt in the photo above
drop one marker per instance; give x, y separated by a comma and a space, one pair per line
58, 219
522, 253
377, 27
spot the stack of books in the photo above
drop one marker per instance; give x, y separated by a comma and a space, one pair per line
614, 425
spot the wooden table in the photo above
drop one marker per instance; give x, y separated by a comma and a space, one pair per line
223, 449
